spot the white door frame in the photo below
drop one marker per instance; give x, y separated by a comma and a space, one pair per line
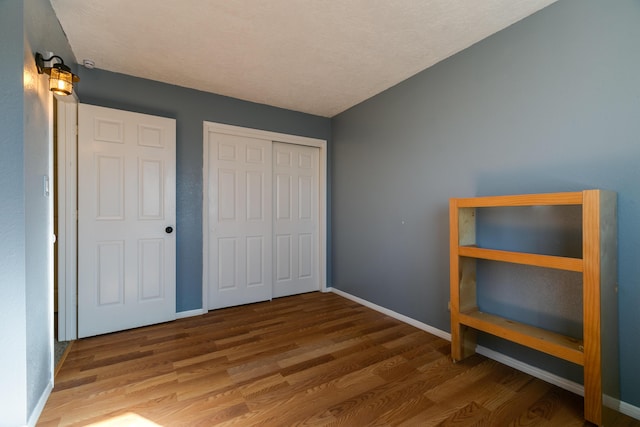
277, 137
66, 186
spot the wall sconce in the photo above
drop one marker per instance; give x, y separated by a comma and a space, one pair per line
61, 78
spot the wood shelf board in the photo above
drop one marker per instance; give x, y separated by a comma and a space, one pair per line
546, 199
552, 343
548, 261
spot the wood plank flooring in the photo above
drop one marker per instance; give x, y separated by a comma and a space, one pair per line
312, 359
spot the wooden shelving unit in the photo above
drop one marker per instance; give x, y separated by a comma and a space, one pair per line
597, 351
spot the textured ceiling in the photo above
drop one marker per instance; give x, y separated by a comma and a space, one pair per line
315, 56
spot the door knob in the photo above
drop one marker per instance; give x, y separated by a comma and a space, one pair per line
169, 230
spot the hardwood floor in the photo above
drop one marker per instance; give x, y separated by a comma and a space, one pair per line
313, 359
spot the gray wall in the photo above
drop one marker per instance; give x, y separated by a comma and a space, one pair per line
13, 370
26, 305
190, 108
552, 103
43, 34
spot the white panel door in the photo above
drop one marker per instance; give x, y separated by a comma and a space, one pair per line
240, 231
126, 216
295, 246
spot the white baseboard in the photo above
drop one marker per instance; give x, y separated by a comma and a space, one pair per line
622, 407
190, 313
628, 409
532, 370
33, 419
395, 315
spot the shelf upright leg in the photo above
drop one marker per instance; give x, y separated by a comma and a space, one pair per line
462, 279
591, 307
601, 364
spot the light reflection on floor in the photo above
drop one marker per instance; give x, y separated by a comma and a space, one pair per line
126, 420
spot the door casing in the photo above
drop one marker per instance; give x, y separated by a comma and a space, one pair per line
66, 186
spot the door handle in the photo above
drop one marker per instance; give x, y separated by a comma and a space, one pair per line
168, 230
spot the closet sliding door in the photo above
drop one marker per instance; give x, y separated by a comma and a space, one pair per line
261, 218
